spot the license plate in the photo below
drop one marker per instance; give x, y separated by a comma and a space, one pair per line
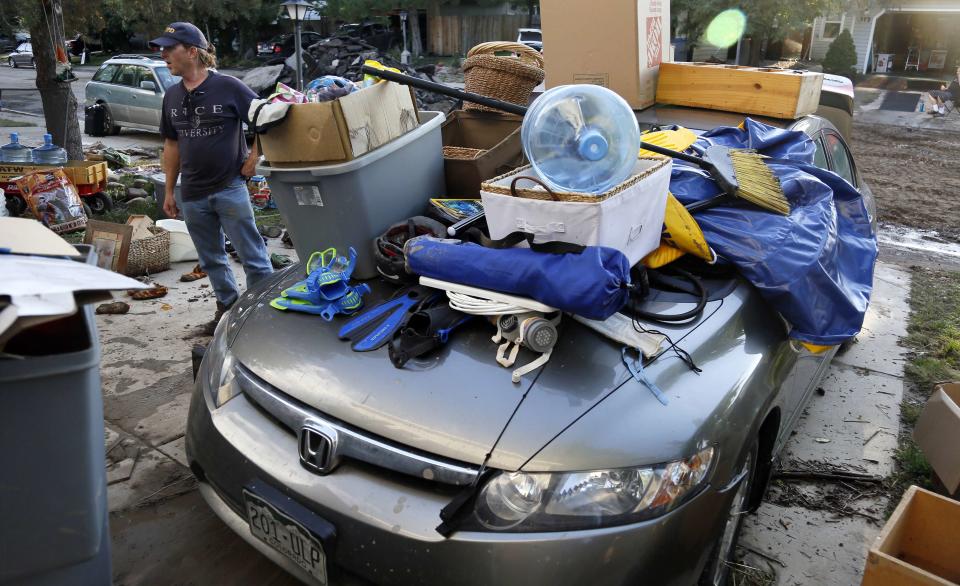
286, 536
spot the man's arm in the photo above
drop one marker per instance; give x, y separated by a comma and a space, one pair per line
249, 168
171, 163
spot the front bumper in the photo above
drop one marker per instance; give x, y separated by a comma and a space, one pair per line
385, 522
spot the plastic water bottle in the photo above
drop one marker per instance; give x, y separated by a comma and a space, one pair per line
14, 152
49, 153
581, 138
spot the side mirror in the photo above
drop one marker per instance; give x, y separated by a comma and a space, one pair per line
148, 85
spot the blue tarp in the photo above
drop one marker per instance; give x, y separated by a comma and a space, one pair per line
815, 266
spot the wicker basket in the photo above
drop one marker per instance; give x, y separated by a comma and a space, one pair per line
509, 79
149, 255
461, 153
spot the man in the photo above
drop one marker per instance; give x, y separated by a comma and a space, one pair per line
946, 93
204, 144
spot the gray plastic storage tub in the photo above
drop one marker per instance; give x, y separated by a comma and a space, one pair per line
53, 485
350, 204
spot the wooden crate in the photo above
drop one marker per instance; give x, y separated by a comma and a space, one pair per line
86, 172
79, 172
919, 545
778, 93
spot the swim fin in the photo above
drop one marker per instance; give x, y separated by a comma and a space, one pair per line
374, 328
348, 304
426, 330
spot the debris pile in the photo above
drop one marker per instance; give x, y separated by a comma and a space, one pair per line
342, 56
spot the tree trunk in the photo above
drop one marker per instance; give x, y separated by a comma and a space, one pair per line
59, 102
756, 43
416, 43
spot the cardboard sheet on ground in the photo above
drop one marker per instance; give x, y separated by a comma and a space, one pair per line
27, 236
38, 285
815, 266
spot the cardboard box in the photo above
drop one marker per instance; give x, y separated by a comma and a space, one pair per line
618, 44
765, 91
496, 139
342, 129
919, 545
938, 434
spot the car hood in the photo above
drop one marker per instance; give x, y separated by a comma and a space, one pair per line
455, 403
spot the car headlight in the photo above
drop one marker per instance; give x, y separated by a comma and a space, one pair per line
220, 367
544, 501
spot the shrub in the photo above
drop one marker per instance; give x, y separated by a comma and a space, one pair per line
841, 57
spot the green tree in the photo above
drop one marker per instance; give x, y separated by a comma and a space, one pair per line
767, 20
841, 57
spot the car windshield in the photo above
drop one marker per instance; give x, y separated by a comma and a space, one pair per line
165, 77
531, 36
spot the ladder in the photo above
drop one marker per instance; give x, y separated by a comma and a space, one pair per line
913, 59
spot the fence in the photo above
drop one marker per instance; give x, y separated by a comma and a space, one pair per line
456, 34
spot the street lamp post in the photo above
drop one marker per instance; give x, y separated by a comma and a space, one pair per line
297, 10
405, 55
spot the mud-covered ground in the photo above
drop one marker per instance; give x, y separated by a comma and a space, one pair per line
914, 175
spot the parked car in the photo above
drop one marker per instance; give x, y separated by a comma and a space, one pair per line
130, 88
380, 36
22, 56
333, 462
281, 46
836, 103
8, 43
531, 37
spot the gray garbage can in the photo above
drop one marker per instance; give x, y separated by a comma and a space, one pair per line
53, 485
349, 204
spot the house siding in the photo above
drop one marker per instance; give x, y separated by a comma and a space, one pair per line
861, 26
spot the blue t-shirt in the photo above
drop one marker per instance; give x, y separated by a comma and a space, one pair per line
206, 123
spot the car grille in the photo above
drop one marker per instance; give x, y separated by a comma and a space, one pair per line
352, 443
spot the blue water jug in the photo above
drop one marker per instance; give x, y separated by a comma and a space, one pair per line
49, 153
14, 152
581, 138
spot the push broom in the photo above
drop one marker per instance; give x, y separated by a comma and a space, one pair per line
739, 173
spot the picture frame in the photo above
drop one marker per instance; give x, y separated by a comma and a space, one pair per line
111, 242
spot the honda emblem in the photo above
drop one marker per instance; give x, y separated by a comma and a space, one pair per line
318, 448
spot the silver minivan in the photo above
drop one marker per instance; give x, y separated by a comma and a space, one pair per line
130, 88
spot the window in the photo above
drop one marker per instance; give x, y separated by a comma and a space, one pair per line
820, 155
830, 30
840, 157
128, 75
831, 27
106, 73
166, 79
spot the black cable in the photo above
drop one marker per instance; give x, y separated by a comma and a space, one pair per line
678, 317
680, 352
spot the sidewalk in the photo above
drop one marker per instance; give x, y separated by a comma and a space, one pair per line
799, 532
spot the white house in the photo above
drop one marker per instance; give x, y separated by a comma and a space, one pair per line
921, 35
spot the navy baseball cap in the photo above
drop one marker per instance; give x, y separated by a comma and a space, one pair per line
180, 32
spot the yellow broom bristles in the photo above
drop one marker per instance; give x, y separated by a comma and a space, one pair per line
757, 183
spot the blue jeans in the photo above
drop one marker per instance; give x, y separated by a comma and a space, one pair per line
227, 212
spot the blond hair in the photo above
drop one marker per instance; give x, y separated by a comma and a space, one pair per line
207, 57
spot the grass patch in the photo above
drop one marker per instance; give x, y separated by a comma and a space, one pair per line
933, 335
6, 122
934, 330
268, 218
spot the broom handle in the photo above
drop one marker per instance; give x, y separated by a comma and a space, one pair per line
706, 165
507, 107
439, 88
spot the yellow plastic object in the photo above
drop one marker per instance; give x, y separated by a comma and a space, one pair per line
678, 140
681, 234
815, 348
372, 79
